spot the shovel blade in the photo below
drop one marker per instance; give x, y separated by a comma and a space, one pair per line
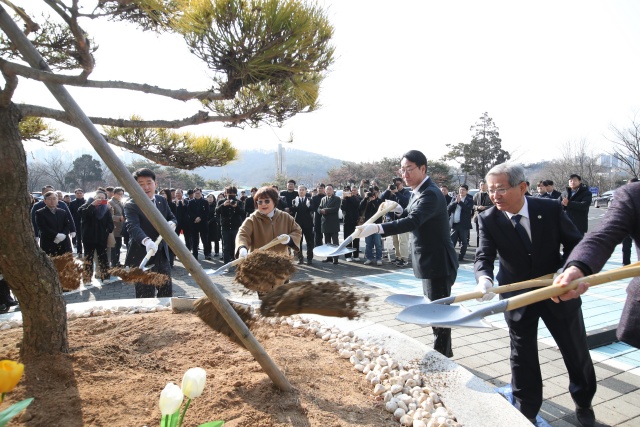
331, 250
404, 300
443, 316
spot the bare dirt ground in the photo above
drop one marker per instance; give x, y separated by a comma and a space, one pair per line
118, 365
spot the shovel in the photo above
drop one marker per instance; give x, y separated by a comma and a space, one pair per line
210, 272
404, 300
328, 250
449, 316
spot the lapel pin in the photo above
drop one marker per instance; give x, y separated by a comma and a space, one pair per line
539, 216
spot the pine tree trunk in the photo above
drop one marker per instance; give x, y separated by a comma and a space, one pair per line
28, 270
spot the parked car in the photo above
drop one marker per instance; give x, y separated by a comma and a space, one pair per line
604, 199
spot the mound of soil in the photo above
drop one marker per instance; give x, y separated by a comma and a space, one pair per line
118, 365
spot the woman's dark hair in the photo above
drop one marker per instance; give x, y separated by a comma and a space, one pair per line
167, 191
269, 192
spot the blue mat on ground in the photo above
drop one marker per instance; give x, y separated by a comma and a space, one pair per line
507, 393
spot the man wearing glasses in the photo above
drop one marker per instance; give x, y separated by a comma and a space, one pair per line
432, 255
526, 234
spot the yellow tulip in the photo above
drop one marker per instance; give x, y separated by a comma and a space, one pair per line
10, 374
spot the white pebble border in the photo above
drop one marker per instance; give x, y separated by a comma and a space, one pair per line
398, 386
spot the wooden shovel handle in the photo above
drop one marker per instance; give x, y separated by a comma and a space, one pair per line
388, 207
541, 281
274, 242
626, 272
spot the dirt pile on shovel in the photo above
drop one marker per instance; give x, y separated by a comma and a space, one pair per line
263, 271
137, 275
324, 298
208, 313
69, 271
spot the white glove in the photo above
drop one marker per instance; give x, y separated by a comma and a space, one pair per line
150, 245
59, 238
38, 241
367, 230
72, 234
295, 202
282, 238
242, 253
398, 210
484, 285
308, 203
172, 225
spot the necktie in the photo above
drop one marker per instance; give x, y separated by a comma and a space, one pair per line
522, 232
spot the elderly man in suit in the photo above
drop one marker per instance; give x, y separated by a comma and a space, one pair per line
526, 233
432, 255
54, 225
142, 236
620, 221
329, 209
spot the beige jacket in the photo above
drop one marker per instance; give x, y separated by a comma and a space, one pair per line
258, 230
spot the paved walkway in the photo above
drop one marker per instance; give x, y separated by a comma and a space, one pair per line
484, 352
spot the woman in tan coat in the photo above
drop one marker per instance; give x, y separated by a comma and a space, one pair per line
265, 224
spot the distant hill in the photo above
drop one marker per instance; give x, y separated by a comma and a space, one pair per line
257, 166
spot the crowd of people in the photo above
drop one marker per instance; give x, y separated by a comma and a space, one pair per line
529, 236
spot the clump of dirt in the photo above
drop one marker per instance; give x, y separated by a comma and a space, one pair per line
206, 311
69, 271
138, 275
262, 271
118, 365
325, 298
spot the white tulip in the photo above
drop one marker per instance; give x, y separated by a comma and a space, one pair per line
170, 399
193, 382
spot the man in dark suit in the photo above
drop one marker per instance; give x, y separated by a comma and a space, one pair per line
61, 205
182, 216
576, 200
54, 226
460, 210
432, 255
73, 207
329, 209
526, 233
302, 210
552, 193
142, 236
481, 202
317, 218
198, 209
620, 221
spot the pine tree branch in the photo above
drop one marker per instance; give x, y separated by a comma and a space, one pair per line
198, 118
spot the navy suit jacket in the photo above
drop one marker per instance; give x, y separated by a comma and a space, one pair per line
550, 228
432, 253
139, 227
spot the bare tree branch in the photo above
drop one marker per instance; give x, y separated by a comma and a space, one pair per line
627, 147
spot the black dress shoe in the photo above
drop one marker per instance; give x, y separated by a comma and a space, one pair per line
300, 260
586, 417
208, 257
335, 261
327, 260
308, 262
12, 303
3, 308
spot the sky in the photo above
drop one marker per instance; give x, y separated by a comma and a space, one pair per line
414, 75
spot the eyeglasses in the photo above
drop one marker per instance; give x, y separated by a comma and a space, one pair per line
499, 191
407, 170
264, 202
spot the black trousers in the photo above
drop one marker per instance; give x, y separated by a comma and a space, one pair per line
436, 288
460, 232
317, 230
77, 241
566, 324
103, 259
332, 238
200, 232
626, 250
186, 232
355, 243
229, 244
115, 252
160, 264
308, 235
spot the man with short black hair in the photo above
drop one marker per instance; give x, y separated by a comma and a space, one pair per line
460, 210
551, 192
198, 209
289, 194
576, 200
73, 207
142, 236
317, 218
231, 215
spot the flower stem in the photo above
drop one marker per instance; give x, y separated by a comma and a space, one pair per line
186, 406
